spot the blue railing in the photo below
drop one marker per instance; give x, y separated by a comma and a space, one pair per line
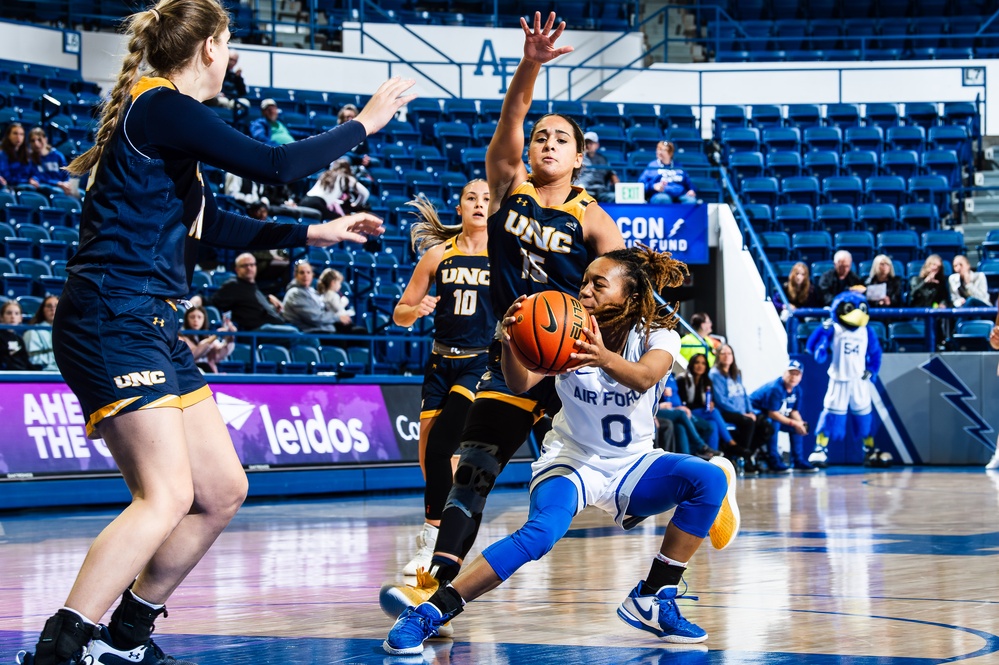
928, 315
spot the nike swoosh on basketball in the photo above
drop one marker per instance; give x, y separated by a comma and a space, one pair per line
552, 324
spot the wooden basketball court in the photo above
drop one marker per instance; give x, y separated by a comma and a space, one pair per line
890, 567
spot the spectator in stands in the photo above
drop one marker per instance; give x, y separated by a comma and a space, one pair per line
664, 182
929, 287
598, 182
359, 156
251, 309
13, 352
691, 343
968, 288
244, 190
13, 156
337, 192
994, 343
778, 403
46, 166
731, 397
839, 278
800, 291
38, 340
884, 287
233, 85
208, 350
330, 283
304, 307
267, 128
688, 430
695, 388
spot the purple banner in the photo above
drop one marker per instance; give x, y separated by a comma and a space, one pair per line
42, 427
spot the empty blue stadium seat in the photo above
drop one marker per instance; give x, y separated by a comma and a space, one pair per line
776, 245
922, 114
843, 189
944, 163
804, 115
902, 163
906, 138
760, 190
811, 246
822, 163
860, 244
931, 189
865, 138
800, 189
728, 117
835, 217
970, 336
900, 245
761, 218
823, 138
746, 165
765, 116
908, 337
794, 217
877, 217
885, 189
882, 115
861, 163
843, 115
746, 139
945, 242
919, 216
783, 164
987, 249
782, 139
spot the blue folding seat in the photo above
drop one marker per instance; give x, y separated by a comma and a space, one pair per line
865, 138
843, 189
783, 269
885, 189
745, 165
908, 337
783, 164
766, 116
906, 138
990, 268
835, 217
794, 217
921, 114
790, 33
843, 115
398, 157
882, 115
931, 189
822, 163
782, 139
677, 115
804, 115
943, 163
861, 163
877, 217
945, 242
686, 139
811, 246
728, 117
740, 140
489, 109
570, 107
452, 138
641, 115
397, 131
611, 136
424, 113
461, 110
970, 336
429, 158
899, 245
642, 137
919, 216
860, 244
776, 245
603, 113
951, 138
823, 138
964, 114
987, 249
761, 218
902, 163
388, 181
708, 190
760, 190
800, 189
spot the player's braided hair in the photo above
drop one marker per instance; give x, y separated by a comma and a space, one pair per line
647, 273
165, 37
429, 231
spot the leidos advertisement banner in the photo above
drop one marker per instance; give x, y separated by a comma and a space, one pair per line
42, 427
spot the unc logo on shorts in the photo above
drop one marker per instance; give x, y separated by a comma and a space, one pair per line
143, 378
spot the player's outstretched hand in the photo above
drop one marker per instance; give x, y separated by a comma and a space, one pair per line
509, 318
385, 103
591, 352
539, 43
357, 227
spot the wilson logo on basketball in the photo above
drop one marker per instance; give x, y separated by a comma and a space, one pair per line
143, 378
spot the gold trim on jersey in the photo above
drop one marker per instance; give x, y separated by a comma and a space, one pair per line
464, 392
433, 413
575, 206
188, 400
106, 412
147, 83
523, 403
451, 249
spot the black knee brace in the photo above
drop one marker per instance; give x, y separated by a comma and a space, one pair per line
64, 634
132, 622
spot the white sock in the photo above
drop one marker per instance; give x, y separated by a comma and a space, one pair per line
145, 602
80, 614
670, 562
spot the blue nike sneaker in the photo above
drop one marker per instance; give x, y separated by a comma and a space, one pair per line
659, 615
412, 628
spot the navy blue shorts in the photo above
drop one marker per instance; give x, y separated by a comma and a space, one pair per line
117, 363
540, 399
447, 374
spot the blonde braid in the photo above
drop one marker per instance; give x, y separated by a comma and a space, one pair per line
113, 108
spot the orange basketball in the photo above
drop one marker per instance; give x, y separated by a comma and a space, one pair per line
547, 327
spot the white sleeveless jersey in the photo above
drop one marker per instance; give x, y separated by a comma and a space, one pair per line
601, 417
848, 353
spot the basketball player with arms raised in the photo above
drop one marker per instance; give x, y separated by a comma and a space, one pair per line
543, 232
601, 451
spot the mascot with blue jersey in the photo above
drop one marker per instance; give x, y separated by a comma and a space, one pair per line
855, 358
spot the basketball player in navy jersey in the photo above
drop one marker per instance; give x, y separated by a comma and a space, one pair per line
115, 332
601, 451
543, 232
455, 262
